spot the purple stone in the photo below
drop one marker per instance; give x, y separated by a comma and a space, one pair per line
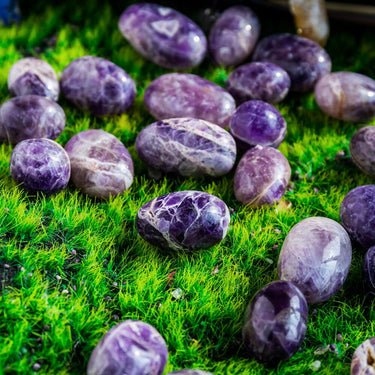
259, 81
184, 220
357, 214
304, 60
97, 85
187, 95
316, 257
258, 123
368, 266
261, 177
190, 372
275, 323
187, 146
40, 165
101, 165
31, 76
163, 35
132, 348
362, 149
364, 358
346, 96
30, 116
233, 36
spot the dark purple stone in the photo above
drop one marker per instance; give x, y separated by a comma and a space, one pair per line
275, 323
163, 35
368, 266
304, 60
362, 149
357, 214
184, 220
132, 348
40, 165
97, 85
189, 372
316, 257
364, 358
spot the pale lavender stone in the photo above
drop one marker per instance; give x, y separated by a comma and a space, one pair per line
30, 116
40, 165
187, 146
368, 266
132, 348
259, 81
189, 372
97, 85
258, 123
362, 149
31, 76
187, 95
275, 323
184, 220
346, 96
303, 59
364, 358
261, 177
234, 35
163, 35
316, 257
101, 164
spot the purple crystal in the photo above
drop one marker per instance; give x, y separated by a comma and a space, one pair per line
187, 95
184, 220
261, 177
30, 116
40, 165
101, 165
132, 348
163, 35
364, 358
97, 85
31, 76
346, 96
304, 60
189, 372
362, 149
233, 36
275, 322
316, 257
368, 266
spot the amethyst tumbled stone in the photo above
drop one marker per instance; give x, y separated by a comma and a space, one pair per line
184, 220
40, 165
101, 165
190, 372
97, 85
364, 358
187, 95
275, 323
304, 60
132, 348
368, 266
362, 149
163, 35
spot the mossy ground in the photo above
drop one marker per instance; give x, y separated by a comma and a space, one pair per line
71, 266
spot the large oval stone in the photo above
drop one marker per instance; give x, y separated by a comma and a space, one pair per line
368, 266
187, 146
163, 35
184, 220
362, 149
364, 358
187, 95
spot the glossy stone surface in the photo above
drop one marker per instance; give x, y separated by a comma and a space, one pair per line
234, 35
261, 177
30, 116
190, 372
357, 214
163, 35
187, 146
31, 76
364, 358
101, 165
275, 323
304, 60
187, 95
362, 149
368, 266
131, 347
40, 165
97, 85
346, 96
258, 123
183, 220
316, 257
259, 81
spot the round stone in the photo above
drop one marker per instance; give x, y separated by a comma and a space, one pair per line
362, 149
131, 347
97, 85
368, 266
40, 165
101, 165
364, 358
163, 35
316, 257
190, 372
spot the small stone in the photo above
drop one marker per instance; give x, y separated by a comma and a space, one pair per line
339, 155
315, 366
73, 252
362, 149
190, 372
321, 350
368, 266
115, 284
65, 291
7, 266
339, 337
215, 271
58, 277
178, 293
36, 366
363, 361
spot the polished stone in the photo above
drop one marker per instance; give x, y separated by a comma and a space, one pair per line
362, 149
364, 358
368, 266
